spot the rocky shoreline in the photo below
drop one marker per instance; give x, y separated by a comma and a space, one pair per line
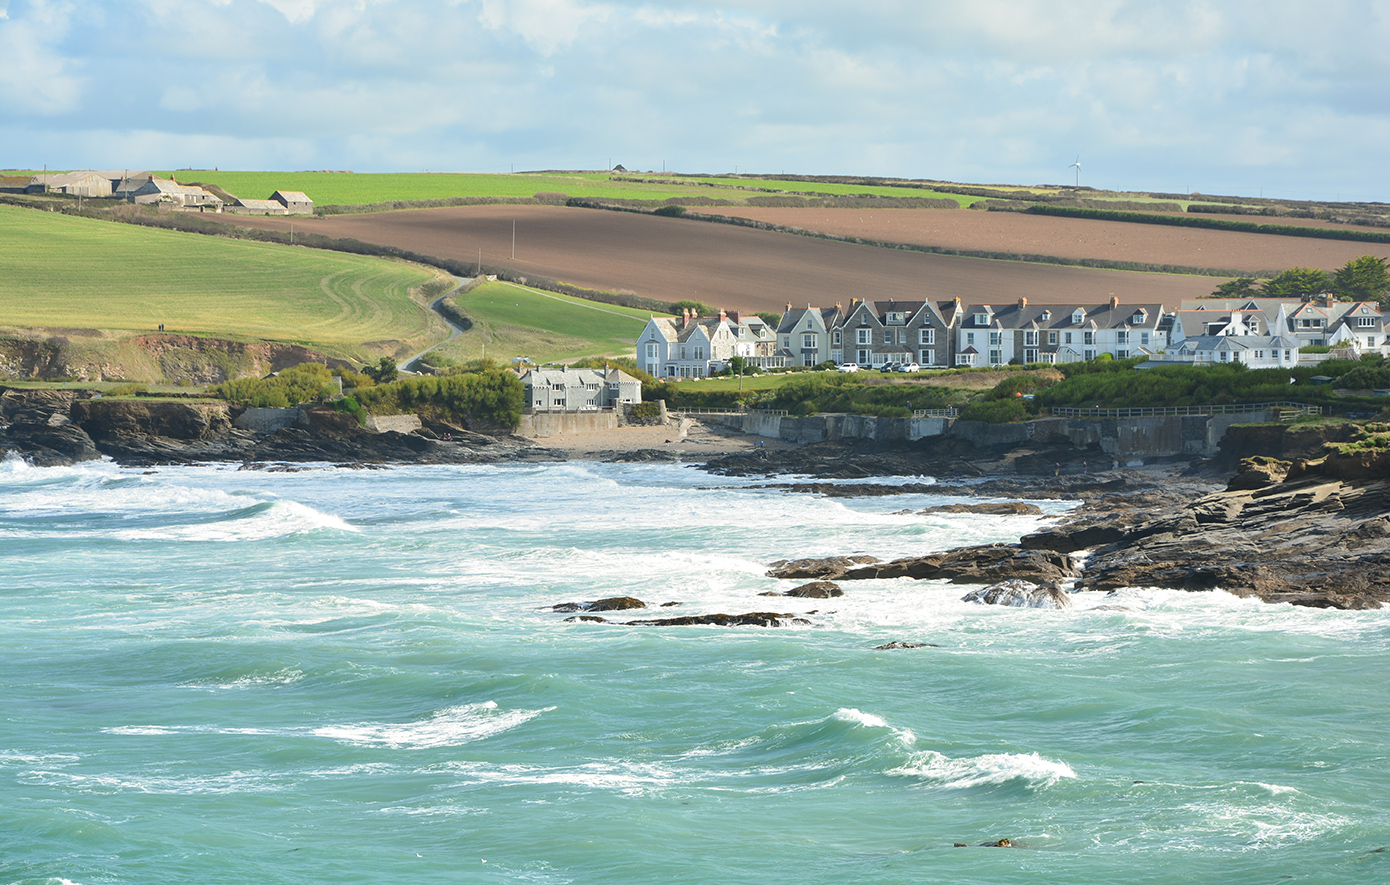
1311, 533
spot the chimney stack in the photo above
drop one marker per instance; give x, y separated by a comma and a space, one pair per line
1022, 302
1114, 302
789, 307
722, 315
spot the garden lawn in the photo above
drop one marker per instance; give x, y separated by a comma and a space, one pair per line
511, 321
62, 272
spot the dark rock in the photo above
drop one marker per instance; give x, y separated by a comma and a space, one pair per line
826, 568
590, 618
1002, 843
752, 619
670, 604
1020, 594
817, 590
1257, 473
608, 604
996, 508
898, 643
985, 564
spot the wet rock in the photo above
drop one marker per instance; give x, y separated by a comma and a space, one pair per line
608, 604
1020, 594
995, 508
984, 564
898, 643
1002, 843
817, 590
595, 619
670, 604
752, 619
826, 568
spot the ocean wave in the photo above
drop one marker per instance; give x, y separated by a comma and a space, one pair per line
258, 522
445, 728
992, 769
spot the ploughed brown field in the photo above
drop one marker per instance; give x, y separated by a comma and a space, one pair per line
743, 269
1077, 237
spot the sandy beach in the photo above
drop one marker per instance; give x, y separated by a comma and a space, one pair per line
685, 436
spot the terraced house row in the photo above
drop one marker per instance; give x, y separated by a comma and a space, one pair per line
932, 334
1260, 333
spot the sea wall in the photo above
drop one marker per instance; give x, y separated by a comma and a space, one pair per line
1128, 440
398, 423
539, 425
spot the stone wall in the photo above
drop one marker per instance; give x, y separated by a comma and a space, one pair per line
539, 425
1127, 440
267, 420
398, 423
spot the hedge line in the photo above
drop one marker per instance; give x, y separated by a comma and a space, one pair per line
1321, 233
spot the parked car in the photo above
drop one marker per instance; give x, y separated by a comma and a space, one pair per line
909, 367
889, 367
849, 367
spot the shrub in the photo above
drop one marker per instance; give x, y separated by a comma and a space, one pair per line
997, 411
307, 382
670, 211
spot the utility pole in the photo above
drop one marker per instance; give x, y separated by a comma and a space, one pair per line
514, 239
480, 262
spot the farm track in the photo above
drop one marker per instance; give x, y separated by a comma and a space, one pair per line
746, 269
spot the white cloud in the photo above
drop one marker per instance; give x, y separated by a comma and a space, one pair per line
546, 25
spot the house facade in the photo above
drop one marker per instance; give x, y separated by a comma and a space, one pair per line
1254, 351
579, 390
691, 346
803, 335
876, 333
995, 335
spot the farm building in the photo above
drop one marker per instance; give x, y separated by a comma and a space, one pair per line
579, 390
258, 207
77, 184
295, 202
164, 190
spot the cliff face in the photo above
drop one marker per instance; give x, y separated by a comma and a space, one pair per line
104, 419
89, 355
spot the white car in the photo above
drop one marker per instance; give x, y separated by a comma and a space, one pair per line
909, 367
849, 367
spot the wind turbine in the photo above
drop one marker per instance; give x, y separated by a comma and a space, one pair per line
1077, 164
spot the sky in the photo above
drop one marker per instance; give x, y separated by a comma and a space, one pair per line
1274, 98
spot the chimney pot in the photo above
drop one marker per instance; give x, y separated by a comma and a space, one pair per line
1114, 302
1023, 301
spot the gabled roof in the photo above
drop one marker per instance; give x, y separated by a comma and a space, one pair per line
292, 196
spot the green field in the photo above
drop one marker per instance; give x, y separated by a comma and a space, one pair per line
511, 321
60, 272
356, 189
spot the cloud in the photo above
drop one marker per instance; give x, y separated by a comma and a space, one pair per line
1196, 92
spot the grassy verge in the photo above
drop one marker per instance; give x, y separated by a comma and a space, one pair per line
511, 320
62, 272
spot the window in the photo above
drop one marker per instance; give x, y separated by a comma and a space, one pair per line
651, 350
836, 338
699, 353
1030, 339
1030, 356
981, 319
1088, 354
887, 336
862, 358
994, 339
1144, 339
787, 342
1121, 354
1288, 354
927, 357
1052, 338
1088, 338
965, 359
896, 319
926, 336
969, 339
902, 336
862, 336
1365, 322
808, 341
1067, 336
994, 358
1259, 354
1122, 337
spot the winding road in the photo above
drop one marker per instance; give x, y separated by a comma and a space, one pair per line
408, 364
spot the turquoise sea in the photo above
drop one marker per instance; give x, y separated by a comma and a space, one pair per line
213, 675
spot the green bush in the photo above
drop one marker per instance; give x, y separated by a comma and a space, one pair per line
998, 411
491, 398
307, 382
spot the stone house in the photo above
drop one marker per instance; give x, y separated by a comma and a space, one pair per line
691, 346
875, 333
295, 202
579, 390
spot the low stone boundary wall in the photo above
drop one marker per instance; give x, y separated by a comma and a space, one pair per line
398, 423
538, 425
267, 420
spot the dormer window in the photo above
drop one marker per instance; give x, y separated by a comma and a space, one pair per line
896, 319
1078, 316
1139, 317
1046, 315
981, 319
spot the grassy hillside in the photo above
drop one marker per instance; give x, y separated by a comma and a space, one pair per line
63, 272
511, 320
